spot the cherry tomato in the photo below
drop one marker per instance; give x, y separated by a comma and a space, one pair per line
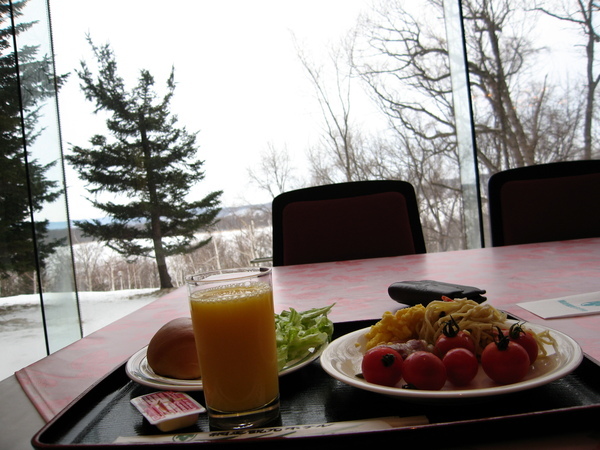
461, 366
505, 361
424, 370
453, 337
382, 365
525, 339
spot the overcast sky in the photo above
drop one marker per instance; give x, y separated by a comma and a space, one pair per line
239, 79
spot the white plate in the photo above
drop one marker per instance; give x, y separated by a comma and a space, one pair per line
138, 370
342, 360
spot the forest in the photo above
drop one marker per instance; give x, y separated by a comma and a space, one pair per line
519, 114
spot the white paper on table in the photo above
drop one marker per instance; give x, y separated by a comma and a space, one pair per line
574, 305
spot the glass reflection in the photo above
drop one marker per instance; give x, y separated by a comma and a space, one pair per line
35, 251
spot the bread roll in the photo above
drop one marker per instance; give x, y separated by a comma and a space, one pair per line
172, 350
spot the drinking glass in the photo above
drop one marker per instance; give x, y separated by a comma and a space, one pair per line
234, 327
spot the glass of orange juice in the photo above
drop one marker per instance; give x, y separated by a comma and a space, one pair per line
234, 327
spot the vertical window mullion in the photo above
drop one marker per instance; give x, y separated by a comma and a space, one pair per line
465, 131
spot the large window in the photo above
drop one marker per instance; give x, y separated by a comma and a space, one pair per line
282, 94
39, 308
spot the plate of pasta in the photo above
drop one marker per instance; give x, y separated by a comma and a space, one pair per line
559, 354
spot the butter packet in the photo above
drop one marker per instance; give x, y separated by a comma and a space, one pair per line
168, 410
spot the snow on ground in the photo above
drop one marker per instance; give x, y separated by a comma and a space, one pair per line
21, 330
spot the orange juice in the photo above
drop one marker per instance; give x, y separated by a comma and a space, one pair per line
235, 337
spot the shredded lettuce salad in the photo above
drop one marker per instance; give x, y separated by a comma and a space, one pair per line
299, 332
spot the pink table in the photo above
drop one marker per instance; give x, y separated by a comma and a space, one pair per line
359, 289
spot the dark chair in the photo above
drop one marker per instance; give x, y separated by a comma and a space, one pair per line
547, 202
336, 222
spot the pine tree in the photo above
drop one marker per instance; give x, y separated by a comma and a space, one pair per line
26, 80
150, 164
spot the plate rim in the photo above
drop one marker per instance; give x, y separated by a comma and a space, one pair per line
165, 383
571, 364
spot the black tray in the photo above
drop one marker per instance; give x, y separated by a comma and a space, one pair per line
311, 396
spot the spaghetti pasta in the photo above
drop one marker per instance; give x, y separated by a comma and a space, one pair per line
480, 320
545, 338
427, 323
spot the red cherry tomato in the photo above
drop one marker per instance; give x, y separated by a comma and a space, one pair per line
424, 370
382, 365
525, 339
453, 337
461, 340
461, 366
505, 361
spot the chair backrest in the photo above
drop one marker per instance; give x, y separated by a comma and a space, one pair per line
546, 202
337, 222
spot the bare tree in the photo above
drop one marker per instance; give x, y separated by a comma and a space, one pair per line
343, 153
244, 236
274, 172
584, 15
88, 260
515, 108
519, 119
410, 79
